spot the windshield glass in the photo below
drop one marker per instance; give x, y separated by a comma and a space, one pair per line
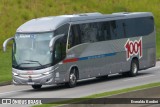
32, 50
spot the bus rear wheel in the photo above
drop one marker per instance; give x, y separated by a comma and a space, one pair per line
134, 68
36, 86
72, 79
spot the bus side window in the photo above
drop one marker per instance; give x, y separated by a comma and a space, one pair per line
107, 30
99, 32
74, 36
60, 45
130, 27
70, 41
93, 32
57, 52
77, 33
85, 29
113, 29
124, 30
120, 29
144, 26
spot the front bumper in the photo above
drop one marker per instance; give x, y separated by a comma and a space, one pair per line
29, 80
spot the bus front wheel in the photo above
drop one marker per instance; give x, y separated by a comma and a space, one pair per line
72, 79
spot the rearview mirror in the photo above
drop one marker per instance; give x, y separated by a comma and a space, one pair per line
53, 40
6, 42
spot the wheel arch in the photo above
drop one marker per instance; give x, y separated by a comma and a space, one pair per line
76, 69
135, 59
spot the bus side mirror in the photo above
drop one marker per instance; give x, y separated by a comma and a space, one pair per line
6, 42
53, 40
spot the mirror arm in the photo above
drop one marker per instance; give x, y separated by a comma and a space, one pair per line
53, 40
6, 42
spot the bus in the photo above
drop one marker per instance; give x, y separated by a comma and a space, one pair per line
67, 48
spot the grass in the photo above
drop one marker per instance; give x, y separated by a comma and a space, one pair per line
14, 13
158, 44
101, 95
5, 66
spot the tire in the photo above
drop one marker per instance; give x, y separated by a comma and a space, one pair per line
134, 68
36, 86
72, 79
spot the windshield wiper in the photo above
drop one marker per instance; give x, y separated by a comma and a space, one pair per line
35, 61
22, 64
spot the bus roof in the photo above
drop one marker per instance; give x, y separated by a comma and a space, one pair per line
46, 24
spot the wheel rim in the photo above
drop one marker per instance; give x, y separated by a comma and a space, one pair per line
134, 68
72, 78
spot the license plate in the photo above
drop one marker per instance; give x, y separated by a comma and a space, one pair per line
30, 83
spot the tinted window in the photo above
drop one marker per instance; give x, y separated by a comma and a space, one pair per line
60, 45
62, 30
110, 30
139, 26
83, 33
105, 31
74, 36
113, 30
144, 26
89, 32
130, 27
120, 29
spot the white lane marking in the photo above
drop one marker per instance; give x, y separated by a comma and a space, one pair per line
139, 77
13, 91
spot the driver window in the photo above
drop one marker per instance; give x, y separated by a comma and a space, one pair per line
60, 44
58, 51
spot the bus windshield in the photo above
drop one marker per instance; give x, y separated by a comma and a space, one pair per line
32, 50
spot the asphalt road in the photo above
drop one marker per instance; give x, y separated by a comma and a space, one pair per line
85, 87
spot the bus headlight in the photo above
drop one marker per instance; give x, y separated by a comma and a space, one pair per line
46, 73
15, 74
